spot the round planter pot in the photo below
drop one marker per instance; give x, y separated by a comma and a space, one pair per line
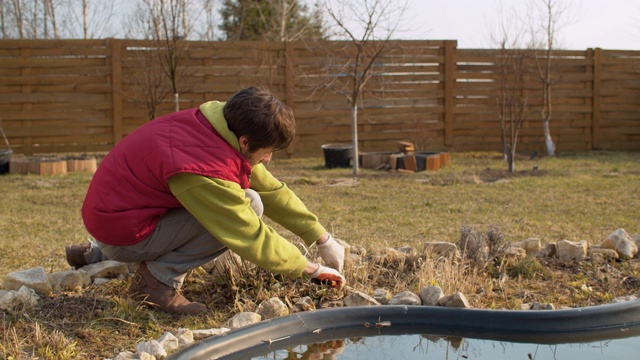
5, 157
337, 155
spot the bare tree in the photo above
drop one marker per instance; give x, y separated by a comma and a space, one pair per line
32, 19
367, 26
165, 23
553, 13
512, 70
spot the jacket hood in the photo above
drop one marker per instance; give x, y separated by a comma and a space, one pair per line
213, 111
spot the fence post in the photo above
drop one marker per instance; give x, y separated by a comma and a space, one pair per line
595, 119
449, 82
289, 84
25, 72
116, 89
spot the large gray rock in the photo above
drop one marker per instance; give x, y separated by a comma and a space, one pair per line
405, 298
358, 298
622, 243
12, 299
69, 281
244, 319
272, 308
572, 250
430, 295
34, 278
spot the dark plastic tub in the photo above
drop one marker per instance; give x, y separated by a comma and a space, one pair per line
5, 157
337, 155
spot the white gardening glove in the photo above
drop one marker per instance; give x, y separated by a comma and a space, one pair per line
328, 276
332, 253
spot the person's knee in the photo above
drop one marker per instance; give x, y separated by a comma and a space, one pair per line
255, 201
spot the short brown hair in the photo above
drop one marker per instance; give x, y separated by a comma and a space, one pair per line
266, 122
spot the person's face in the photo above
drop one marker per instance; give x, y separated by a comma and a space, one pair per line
262, 155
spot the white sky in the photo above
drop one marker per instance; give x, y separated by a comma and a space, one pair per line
608, 24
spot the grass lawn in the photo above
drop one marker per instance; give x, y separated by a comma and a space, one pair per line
573, 196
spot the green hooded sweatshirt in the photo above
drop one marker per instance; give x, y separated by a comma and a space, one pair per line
222, 208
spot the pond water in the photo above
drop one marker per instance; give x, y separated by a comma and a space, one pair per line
413, 347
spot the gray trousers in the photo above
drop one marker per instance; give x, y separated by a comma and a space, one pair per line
179, 243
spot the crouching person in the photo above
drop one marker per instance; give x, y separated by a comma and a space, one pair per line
184, 188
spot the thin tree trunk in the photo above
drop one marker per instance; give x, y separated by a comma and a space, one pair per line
551, 146
176, 102
85, 19
354, 136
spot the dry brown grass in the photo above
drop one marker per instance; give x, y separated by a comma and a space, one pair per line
573, 196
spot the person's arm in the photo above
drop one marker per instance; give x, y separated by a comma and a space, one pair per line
222, 208
283, 206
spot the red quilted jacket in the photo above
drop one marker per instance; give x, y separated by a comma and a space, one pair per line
129, 190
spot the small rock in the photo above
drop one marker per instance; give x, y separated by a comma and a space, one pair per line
572, 250
304, 304
9, 300
126, 355
532, 245
28, 296
430, 295
169, 342
332, 304
272, 308
551, 249
457, 300
540, 306
405, 298
146, 356
205, 333
151, 347
184, 336
358, 298
599, 255
514, 252
620, 299
243, 319
525, 306
382, 296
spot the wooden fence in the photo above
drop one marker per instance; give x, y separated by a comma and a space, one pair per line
77, 96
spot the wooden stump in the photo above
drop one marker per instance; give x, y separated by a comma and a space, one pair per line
82, 165
433, 162
444, 159
38, 166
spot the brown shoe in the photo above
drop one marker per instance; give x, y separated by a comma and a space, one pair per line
145, 287
75, 254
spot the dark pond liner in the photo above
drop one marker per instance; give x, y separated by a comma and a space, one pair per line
579, 325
